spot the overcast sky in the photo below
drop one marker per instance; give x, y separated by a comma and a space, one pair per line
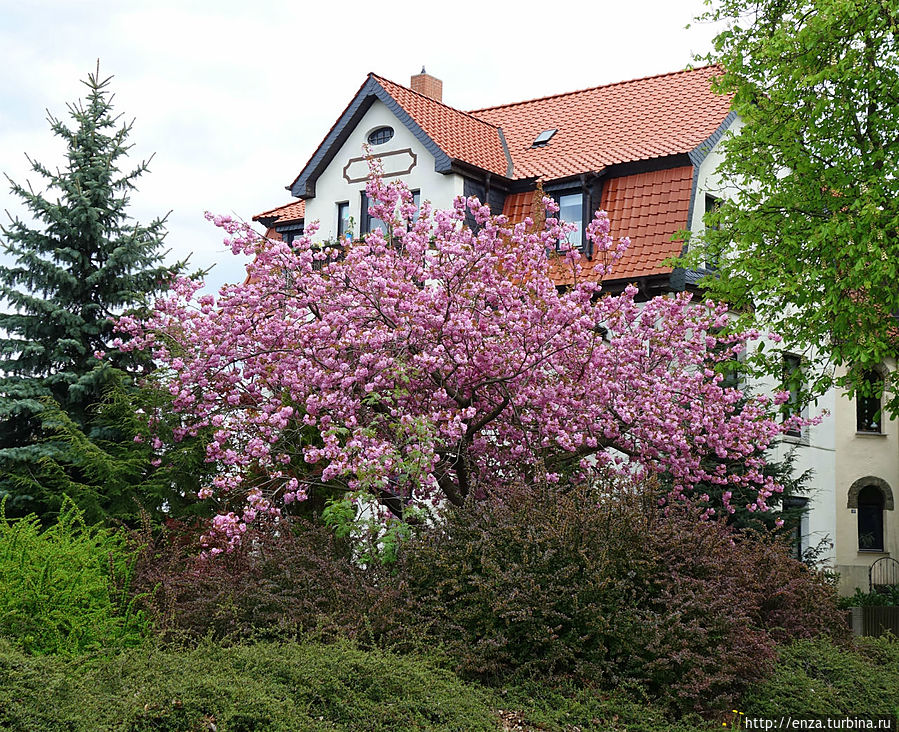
234, 97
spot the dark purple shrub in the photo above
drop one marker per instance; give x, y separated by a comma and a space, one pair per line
285, 580
604, 588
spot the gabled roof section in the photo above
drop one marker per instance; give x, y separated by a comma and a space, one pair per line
648, 207
643, 119
447, 133
286, 214
463, 137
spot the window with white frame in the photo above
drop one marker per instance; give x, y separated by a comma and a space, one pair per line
571, 211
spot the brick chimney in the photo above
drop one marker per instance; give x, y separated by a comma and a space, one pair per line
428, 85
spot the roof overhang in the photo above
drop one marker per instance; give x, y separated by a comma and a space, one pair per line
702, 150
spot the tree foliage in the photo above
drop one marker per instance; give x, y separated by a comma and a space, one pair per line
123, 470
77, 261
810, 241
437, 363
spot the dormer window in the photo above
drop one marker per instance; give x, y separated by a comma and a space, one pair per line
571, 211
380, 136
543, 138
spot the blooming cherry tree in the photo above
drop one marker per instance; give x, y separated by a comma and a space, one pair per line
433, 362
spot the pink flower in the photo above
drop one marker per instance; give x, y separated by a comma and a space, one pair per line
447, 363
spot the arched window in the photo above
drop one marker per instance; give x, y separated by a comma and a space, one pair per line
869, 497
867, 403
870, 519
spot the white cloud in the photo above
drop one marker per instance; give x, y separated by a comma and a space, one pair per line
233, 97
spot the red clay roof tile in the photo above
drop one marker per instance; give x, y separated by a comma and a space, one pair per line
460, 135
618, 123
629, 201
519, 206
290, 212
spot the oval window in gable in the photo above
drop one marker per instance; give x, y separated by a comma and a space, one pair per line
380, 135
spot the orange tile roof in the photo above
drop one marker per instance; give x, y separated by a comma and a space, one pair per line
623, 122
460, 135
618, 123
648, 207
641, 119
518, 206
289, 212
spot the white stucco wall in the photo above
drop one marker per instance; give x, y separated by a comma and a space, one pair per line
816, 450
709, 182
332, 188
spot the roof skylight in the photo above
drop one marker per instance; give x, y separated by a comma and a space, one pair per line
543, 138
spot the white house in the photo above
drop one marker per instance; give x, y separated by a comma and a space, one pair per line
646, 151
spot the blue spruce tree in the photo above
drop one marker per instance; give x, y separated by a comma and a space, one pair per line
77, 263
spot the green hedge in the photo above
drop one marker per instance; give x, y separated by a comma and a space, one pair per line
242, 688
882, 597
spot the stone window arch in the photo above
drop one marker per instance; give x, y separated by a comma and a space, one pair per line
856, 488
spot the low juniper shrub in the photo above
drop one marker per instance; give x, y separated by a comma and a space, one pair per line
819, 676
275, 687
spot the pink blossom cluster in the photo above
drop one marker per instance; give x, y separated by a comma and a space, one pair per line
433, 362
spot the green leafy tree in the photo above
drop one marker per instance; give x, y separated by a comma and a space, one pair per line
810, 241
75, 262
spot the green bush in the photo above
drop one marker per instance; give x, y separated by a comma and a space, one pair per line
880, 597
821, 677
269, 687
64, 589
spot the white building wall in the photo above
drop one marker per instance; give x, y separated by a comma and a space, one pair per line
816, 449
332, 187
863, 455
709, 182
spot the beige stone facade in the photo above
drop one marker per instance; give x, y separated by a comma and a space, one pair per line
867, 464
